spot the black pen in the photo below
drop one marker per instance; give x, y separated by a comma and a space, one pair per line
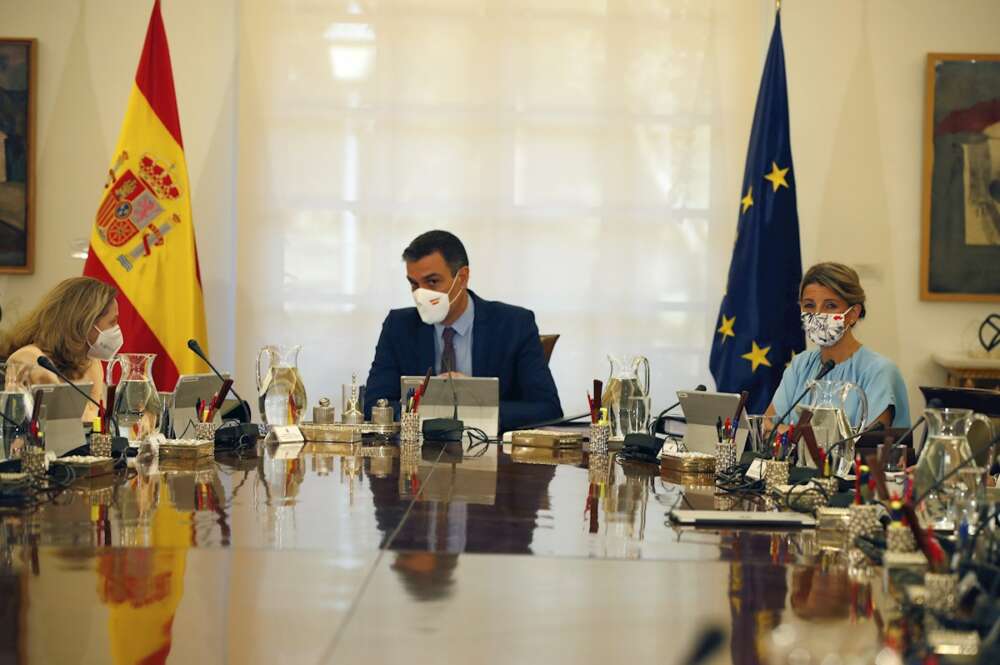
718, 428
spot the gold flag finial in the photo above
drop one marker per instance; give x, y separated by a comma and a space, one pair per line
777, 5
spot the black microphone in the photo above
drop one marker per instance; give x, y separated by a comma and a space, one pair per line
707, 643
445, 430
932, 403
454, 395
18, 427
244, 405
656, 424
45, 363
824, 369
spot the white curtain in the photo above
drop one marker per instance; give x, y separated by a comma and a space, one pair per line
584, 150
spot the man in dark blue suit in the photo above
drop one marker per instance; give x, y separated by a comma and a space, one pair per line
453, 330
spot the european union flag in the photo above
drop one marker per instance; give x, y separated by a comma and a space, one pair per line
759, 329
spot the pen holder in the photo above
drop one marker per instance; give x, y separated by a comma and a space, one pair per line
205, 431
101, 497
33, 461
809, 499
725, 455
830, 486
409, 426
775, 473
725, 502
827, 488
599, 435
409, 457
941, 595
598, 468
862, 521
100, 445
899, 538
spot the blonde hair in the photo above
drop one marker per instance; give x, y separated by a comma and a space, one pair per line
842, 280
60, 323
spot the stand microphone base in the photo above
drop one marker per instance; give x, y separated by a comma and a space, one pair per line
119, 444
443, 430
242, 437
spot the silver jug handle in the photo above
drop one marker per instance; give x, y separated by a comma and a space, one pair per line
260, 354
989, 429
863, 421
110, 371
644, 386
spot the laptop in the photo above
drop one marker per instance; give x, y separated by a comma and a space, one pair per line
478, 399
703, 410
63, 413
189, 389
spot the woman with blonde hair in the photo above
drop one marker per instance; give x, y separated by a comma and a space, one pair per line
76, 326
832, 302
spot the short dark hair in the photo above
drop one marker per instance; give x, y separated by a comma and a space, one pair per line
448, 244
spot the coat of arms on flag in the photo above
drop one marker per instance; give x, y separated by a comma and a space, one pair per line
132, 205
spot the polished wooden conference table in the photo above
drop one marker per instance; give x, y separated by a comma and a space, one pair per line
382, 554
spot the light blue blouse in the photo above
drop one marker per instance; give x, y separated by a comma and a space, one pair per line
877, 375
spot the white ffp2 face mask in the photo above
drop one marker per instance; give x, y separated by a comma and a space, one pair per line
433, 306
107, 344
825, 329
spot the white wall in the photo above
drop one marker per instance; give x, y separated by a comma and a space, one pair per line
87, 56
855, 74
856, 93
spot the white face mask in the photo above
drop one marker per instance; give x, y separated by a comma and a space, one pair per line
433, 306
107, 344
825, 329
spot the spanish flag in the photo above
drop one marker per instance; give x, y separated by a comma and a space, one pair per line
143, 239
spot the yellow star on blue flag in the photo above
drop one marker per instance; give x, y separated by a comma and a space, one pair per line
726, 329
757, 357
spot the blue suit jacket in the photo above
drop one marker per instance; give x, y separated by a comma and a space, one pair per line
505, 344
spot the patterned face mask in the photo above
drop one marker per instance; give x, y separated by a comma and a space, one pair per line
825, 329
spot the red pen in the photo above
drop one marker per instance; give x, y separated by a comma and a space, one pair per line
110, 407
427, 380
220, 397
210, 409
857, 480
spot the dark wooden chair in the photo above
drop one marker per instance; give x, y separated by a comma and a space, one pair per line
548, 344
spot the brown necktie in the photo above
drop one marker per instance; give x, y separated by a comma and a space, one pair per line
448, 353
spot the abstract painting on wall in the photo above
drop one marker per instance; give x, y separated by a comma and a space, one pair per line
17, 125
960, 258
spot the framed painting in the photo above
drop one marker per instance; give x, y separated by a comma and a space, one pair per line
17, 177
960, 257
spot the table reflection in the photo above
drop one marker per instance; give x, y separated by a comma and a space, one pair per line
143, 545
142, 586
